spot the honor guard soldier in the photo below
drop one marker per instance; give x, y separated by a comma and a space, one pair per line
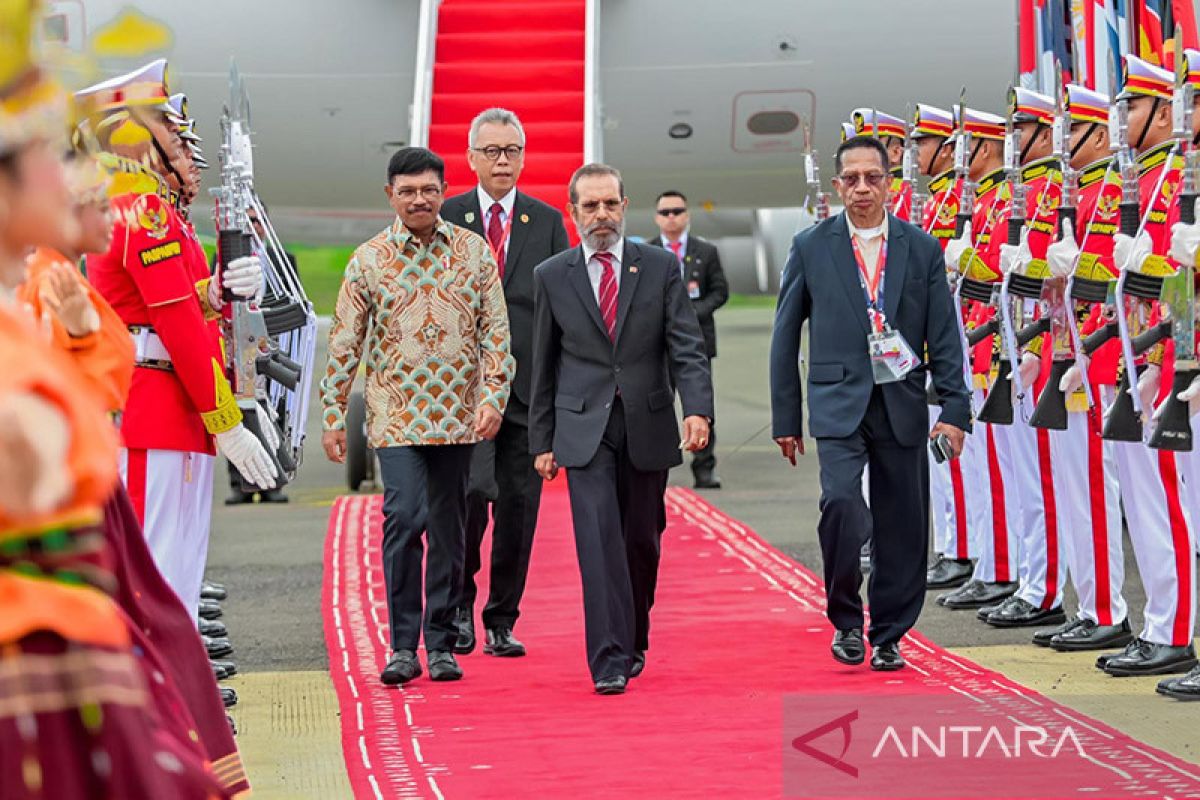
891, 131
1085, 474
1159, 523
180, 399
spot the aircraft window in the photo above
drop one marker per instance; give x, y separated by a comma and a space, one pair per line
773, 123
680, 130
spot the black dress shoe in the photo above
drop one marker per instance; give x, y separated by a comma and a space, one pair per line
465, 623
217, 648
213, 591
1089, 635
706, 480
614, 685
501, 642
209, 627
232, 724
1042, 638
948, 573
210, 609
443, 666
228, 697
1186, 688
1018, 613
986, 611
273, 496
977, 594
848, 646
864, 558
223, 669
1103, 659
236, 497
887, 658
401, 668
1152, 659
637, 664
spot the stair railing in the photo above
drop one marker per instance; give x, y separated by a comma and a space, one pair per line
422, 102
593, 139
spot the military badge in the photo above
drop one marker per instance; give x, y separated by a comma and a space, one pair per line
470, 217
153, 219
948, 212
1107, 206
1048, 203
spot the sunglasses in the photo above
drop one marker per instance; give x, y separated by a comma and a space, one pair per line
871, 179
671, 212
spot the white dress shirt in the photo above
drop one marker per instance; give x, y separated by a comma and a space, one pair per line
595, 268
683, 240
506, 209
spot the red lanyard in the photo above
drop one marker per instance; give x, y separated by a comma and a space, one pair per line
872, 289
504, 234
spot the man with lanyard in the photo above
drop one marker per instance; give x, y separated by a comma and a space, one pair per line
1041, 568
890, 131
521, 232
994, 575
1159, 523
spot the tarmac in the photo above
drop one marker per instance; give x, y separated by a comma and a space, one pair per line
270, 557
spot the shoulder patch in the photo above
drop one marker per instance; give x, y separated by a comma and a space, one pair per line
159, 253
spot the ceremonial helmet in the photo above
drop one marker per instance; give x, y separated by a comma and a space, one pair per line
931, 121
1026, 105
1086, 105
1143, 79
979, 124
848, 131
869, 122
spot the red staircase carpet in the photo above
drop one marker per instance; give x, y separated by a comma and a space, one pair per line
738, 638
523, 55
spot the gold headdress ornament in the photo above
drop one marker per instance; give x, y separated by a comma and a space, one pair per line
31, 105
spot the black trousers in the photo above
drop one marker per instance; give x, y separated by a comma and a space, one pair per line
504, 483
897, 524
619, 515
424, 491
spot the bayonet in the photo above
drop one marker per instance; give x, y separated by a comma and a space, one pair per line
817, 202
962, 168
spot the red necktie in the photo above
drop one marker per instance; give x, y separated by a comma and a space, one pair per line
608, 293
495, 234
675, 248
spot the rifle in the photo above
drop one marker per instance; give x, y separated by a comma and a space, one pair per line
1057, 298
816, 201
1174, 429
1135, 292
908, 168
962, 168
250, 349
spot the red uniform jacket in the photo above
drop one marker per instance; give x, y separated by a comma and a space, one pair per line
149, 276
1098, 218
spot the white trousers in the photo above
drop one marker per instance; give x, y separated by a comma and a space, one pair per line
1042, 568
960, 499
1089, 503
172, 494
998, 545
1163, 540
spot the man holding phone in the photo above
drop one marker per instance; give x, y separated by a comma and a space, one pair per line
874, 292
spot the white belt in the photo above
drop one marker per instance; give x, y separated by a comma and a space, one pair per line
148, 346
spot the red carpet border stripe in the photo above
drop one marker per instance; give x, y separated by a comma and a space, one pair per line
406, 743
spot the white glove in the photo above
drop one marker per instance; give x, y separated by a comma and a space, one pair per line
270, 432
956, 247
1191, 396
1147, 385
246, 453
1072, 379
1063, 255
1015, 256
1129, 253
243, 277
1030, 367
1185, 240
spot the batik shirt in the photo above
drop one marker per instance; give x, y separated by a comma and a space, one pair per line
434, 325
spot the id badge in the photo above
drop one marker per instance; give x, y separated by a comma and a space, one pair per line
891, 357
694, 290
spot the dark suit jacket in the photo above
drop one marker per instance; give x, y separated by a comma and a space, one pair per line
577, 369
702, 266
820, 284
537, 233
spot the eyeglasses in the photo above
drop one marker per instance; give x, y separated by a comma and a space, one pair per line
870, 178
671, 212
592, 206
492, 152
428, 192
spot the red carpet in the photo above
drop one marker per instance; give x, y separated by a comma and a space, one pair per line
523, 55
737, 635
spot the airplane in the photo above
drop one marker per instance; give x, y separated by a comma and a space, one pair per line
686, 96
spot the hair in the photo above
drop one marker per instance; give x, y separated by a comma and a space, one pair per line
593, 171
494, 116
857, 143
672, 193
414, 161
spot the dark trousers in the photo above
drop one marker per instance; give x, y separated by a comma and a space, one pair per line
704, 461
619, 515
424, 491
897, 524
504, 483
